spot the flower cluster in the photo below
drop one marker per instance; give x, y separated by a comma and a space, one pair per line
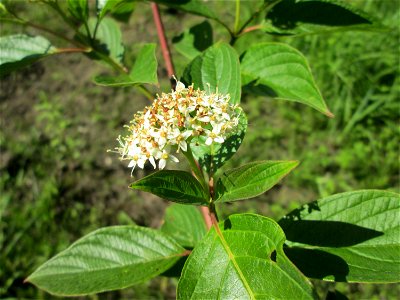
172, 121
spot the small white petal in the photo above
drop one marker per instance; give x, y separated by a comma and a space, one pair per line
209, 141
161, 164
173, 158
152, 161
132, 164
219, 139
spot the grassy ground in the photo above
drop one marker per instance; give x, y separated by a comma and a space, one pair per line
58, 182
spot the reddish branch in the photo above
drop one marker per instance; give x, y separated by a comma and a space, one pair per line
163, 42
171, 72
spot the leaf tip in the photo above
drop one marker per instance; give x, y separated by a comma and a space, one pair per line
329, 114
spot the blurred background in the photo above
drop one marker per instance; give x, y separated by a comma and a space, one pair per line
58, 182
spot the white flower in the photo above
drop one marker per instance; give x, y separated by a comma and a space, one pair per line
172, 120
164, 157
214, 135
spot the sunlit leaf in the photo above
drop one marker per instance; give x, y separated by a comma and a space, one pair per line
216, 68
144, 70
315, 16
243, 259
352, 237
20, 50
251, 180
185, 224
108, 259
285, 73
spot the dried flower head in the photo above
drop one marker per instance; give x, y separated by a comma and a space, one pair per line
172, 121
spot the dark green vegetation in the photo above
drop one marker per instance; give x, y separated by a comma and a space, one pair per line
59, 183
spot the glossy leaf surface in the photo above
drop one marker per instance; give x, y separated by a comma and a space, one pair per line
114, 6
144, 70
176, 186
185, 224
244, 259
107, 259
20, 50
283, 70
352, 236
316, 16
251, 180
217, 68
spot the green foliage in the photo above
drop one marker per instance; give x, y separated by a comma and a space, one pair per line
107, 259
79, 9
284, 70
216, 69
185, 224
354, 234
251, 180
305, 17
144, 70
177, 186
345, 237
214, 157
18, 51
243, 258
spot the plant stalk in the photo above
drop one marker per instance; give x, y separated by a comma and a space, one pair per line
164, 44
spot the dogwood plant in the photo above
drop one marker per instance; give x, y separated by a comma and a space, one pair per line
350, 237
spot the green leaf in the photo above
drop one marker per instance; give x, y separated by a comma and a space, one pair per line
213, 157
79, 9
108, 38
243, 259
185, 224
120, 8
197, 7
217, 68
251, 180
176, 186
194, 40
144, 70
284, 70
107, 259
316, 16
20, 50
352, 237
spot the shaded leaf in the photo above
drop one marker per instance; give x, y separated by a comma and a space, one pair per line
315, 16
185, 224
79, 9
213, 157
251, 180
177, 186
108, 38
20, 50
284, 70
244, 259
120, 9
108, 259
216, 68
356, 234
144, 70
194, 40
197, 7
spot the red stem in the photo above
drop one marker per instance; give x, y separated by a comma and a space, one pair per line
163, 42
205, 211
171, 73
